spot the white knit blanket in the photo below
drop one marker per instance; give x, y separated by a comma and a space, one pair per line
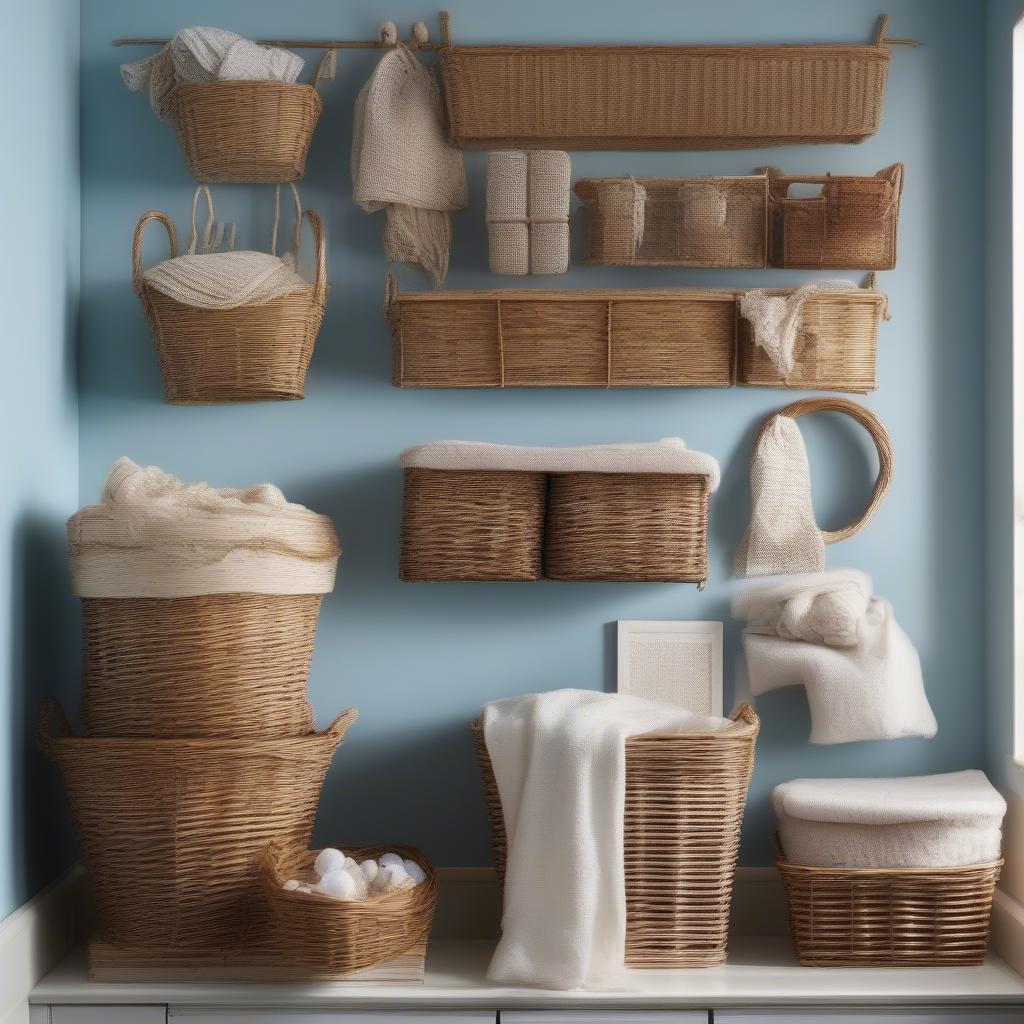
559, 761
669, 455
926, 821
202, 54
826, 632
223, 280
153, 536
775, 319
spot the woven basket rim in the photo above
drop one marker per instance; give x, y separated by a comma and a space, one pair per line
620, 295
786, 866
306, 290
246, 84
809, 51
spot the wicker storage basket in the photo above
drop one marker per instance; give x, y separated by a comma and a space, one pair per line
685, 795
318, 938
472, 525
627, 526
170, 829
676, 222
662, 97
215, 666
836, 345
248, 353
900, 917
852, 223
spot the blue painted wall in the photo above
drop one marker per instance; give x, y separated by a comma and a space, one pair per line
39, 266
419, 659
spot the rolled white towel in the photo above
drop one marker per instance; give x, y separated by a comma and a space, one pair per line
328, 860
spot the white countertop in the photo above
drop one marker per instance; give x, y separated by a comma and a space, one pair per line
760, 972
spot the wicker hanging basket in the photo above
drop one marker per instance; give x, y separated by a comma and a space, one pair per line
170, 829
317, 938
662, 97
685, 796
247, 353
248, 131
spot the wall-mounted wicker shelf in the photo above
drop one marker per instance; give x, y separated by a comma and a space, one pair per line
611, 338
663, 97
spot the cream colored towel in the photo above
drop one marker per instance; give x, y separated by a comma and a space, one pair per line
223, 280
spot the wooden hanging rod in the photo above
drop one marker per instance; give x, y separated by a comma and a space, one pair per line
297, 44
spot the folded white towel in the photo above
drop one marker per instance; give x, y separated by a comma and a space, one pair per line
825, 632
224, 280
669, 455
925, 821
559, 761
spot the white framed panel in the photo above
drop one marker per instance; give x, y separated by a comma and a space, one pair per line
675, 661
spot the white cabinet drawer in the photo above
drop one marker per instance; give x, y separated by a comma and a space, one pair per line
881, 1016
284, 1015
605, 1017
108, 1014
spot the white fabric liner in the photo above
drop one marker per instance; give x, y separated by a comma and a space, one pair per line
828, 633
947, 820
152, 535
559, 762
224, 280
669, 455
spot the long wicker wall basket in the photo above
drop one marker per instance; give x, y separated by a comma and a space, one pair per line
897, 917
750, 221
170, 830
320, 939
681, 338
684, 802
246, 353
662, 97
248, 131
484, 525
227, 666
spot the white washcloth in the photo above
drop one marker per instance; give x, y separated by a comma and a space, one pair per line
559, 761
202, 54
153, 536
223, 280
825, 632
669, 455
774, 319
926, 821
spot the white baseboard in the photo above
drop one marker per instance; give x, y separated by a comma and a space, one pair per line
1008, 930
37, 936
469, 907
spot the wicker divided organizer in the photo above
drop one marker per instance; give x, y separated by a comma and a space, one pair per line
250, 352
662, 97
622, 338
318, 938
685, 795
135, 801
899, 917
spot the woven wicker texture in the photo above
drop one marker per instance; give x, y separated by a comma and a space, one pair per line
835, 350
627, 526
662, 97
676, 222
170, 829
247, 353
685, 795
478, 525
852, 223
214, 666
906, 917
317, 937
244, 130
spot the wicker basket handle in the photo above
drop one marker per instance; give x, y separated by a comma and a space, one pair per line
746, 715
326, 68
172, 239
320, 254
342, 724
883, 445
49, 712
882, 40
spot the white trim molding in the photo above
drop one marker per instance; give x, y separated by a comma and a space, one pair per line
1008, 930
37, 936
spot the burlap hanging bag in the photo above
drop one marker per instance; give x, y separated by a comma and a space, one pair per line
250, 347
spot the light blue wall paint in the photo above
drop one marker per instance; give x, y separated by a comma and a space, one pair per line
39, 267
419, 659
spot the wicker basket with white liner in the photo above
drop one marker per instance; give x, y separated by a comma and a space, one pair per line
200, 606
476, 511
890, 872
231, 326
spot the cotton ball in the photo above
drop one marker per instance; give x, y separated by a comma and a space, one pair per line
361, 888
391, 858
328, 860
414, 871
350, 863
369, 868
337, 884
388, 33
307, 889
391, 878
291, 885
420, 34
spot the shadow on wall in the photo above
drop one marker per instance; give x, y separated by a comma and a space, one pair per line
44, 660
